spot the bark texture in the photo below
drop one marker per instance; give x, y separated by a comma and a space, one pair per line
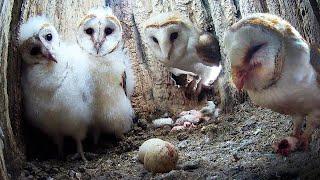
9, 143
153, 96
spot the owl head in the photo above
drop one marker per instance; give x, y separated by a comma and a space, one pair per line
258, 47
99, 32
38, 41
168, 36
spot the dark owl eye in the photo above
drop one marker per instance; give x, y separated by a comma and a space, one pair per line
173, 36
48, 37
253, 50
155, 40
89, 31
35, 51
108, 31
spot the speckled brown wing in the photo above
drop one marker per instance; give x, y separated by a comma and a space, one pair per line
124, 82
208, 49
315, 60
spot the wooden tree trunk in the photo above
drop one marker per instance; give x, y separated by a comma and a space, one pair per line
152, 95
9, 143
5, 17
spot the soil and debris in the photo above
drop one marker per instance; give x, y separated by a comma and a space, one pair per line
236, 146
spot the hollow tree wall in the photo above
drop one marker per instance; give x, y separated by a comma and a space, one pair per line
152, 95
9, 146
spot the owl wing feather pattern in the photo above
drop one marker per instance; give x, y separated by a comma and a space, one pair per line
315, 60
124, 82
208, 49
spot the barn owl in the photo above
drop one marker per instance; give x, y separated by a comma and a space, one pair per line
279, 70
55, 83
182, 47
100, 36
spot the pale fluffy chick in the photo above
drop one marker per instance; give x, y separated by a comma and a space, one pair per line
273, 62
182, 47
54, 81
100, 36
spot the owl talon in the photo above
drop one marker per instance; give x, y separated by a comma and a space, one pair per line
193, 89
286, 146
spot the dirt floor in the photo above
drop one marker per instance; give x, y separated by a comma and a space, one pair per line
236, 146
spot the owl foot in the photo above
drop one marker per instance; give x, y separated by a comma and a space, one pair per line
286, 146
193, 89
78, 156
290, 144
80, 153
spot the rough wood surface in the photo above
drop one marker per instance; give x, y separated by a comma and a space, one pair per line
3, 168
64, 14
8, 145
224, 13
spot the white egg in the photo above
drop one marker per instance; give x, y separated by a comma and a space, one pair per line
158, 156
146, 146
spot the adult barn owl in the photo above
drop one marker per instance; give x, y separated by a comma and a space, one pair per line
100, 36
54, 81
182, 47
280, 71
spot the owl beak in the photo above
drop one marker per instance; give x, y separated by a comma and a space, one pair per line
241, 74
97, 46
238, 79
49, 56
166, 50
